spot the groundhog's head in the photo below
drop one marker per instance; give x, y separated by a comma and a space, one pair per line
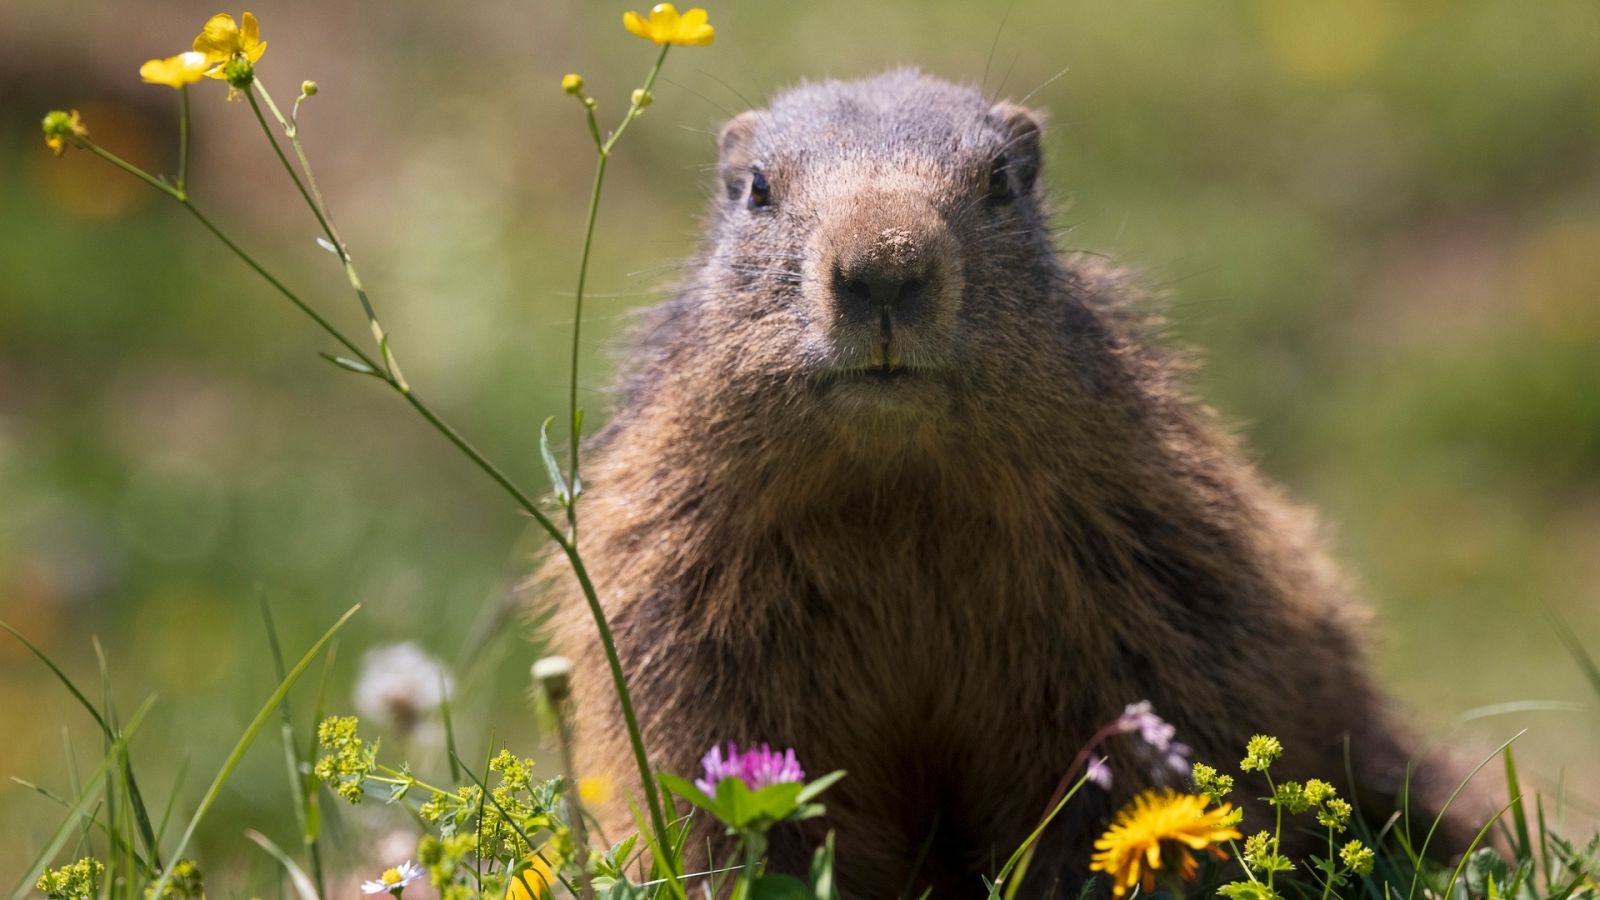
878, 256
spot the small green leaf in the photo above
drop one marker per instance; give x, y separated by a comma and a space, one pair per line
822, 881
779, 887
551, 467
688, 791
817, 786
736, 803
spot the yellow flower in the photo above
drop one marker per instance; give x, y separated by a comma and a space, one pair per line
222, 40
572, 82
534, 882
594, 790
665, 26
58, 126
1131, 849
175, 71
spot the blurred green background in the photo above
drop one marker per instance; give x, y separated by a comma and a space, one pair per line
1378, 220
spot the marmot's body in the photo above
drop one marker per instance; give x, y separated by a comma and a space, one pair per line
892, 483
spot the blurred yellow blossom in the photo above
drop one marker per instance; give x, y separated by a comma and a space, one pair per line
594, 789
222, 40
572, 82
176, 71
534, 882
58, 126
665, 26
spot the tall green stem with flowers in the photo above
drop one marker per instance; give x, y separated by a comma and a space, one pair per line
228, 51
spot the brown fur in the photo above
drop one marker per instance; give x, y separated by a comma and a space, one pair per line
943, 582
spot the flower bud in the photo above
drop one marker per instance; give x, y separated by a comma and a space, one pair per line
239, 73
554, 675
642, 98
308, 88
572, 82
59, 127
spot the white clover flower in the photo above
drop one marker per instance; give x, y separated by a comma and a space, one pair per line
400, 685
394, 880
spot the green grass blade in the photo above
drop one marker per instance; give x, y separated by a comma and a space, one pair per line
1461, 866
1519, 816
90, 821
1019, 857
93, 786
297, 876
1433, 828
172, 798
247, 739
291, 755
1569, 639
135, 801
661, 855
61, 677
449, 733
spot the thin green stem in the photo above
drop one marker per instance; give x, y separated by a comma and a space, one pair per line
619, 680
1277, 828
183, 141
395, 776
130, 168
1327, 887
604, 153
635, 109
316, 317
577, 326
289, 167
562, 708
312, 194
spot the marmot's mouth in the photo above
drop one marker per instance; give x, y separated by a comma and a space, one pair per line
885, 372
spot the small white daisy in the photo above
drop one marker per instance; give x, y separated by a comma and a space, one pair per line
393, 881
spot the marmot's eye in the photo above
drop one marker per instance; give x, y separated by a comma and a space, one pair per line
760, 191
1000, 189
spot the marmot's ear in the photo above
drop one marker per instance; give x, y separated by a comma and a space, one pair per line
1022, 127
734, 154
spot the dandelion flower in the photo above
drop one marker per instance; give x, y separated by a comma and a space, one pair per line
400, 685
594, 790
1159, 829
223, 40
533, 882
665, 26
394, 880
756, 767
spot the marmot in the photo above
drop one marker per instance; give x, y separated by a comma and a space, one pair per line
892, 482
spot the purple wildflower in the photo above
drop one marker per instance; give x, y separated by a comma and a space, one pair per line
756, 767
1153, 729
1099, 773
1178, 757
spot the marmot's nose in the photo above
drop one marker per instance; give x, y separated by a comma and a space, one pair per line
866, 292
